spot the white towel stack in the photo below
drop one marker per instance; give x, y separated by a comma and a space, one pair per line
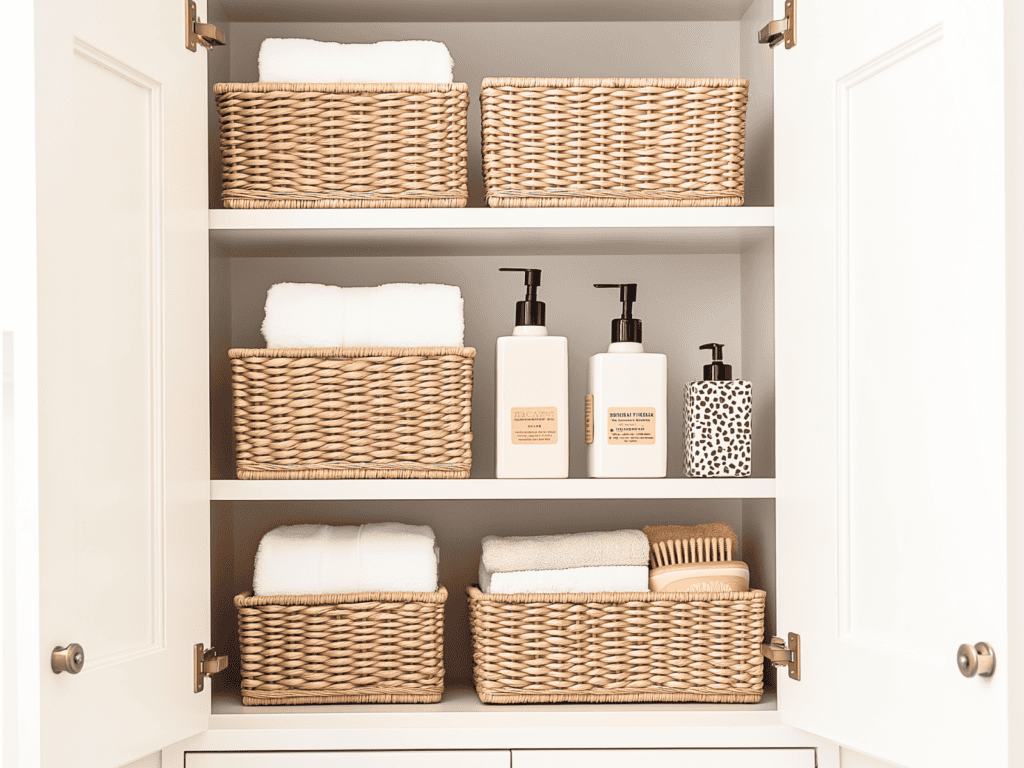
294, 60
303, 315
340, 559
600, 561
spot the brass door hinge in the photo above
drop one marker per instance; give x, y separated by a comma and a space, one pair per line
775, 32
207, 664
778, 654
205, 35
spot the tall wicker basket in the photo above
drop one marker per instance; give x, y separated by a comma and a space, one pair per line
353, 413
343, 145
617, 646
381, 647
613, 142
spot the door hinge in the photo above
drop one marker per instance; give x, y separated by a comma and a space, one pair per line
205, 35
774, 32
778, 654
207, 664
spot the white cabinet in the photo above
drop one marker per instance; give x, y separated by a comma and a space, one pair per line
838, 290
452, 759
665, 758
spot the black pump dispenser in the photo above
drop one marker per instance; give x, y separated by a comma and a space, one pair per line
716, 370
530, 311
626, 328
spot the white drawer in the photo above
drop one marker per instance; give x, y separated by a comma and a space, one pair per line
438, 759
663, 758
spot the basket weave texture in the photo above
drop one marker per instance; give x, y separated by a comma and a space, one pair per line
382, 647
353, 413
620, 142
617, 646
342, 145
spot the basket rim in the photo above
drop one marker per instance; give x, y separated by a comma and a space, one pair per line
221, 88
247, 599
474, 592
613, 82
297, 352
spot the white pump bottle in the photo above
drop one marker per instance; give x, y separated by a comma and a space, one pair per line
626, 407
531, 394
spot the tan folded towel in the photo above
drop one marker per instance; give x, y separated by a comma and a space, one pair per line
503, 554
656, 533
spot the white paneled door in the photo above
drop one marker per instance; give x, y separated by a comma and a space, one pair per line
122, 376
891, 394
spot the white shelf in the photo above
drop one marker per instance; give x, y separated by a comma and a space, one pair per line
473, 10
573, 488
461, 708
492, 231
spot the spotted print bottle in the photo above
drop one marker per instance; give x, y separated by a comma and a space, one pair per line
716, 424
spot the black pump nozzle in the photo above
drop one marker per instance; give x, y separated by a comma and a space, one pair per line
530, 311
716, 370
627, 328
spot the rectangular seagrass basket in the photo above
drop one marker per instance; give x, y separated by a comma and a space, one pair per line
617, 646
651, 142
352, 413
343, 145
381, 647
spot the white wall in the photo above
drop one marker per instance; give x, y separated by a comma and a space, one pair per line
850, 759
153, 761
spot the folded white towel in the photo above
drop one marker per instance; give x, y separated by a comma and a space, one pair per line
294, 60
338, 559
393, 315
603, 578
502, 554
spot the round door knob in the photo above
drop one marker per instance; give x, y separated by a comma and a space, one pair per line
977, 659
70, 659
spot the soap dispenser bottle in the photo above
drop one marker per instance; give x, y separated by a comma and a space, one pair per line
626, 406
716, 421
531, 393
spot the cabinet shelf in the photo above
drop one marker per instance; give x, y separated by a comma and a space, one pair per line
461, 708
491, 231
572, 488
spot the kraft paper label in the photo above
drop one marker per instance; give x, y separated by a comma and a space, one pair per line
631, 426
589, 424
534, 426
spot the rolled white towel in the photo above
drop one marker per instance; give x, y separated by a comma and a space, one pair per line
602, 578
420, 315
502, 554
301, 315
295, 60
339, 559
304, 315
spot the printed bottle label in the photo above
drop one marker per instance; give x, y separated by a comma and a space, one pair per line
534, 426
589, 423
631, 426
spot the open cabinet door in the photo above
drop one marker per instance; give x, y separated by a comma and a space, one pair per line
891, 383
123, 469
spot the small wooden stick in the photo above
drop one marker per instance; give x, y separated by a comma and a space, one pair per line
728, 549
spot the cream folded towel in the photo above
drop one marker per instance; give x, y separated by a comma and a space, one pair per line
602, 578
301, 315
339, 559
502, 554
294, 60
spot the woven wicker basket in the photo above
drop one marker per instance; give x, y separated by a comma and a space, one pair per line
341, 145
613, 142
383, 647
617, 646
347, 413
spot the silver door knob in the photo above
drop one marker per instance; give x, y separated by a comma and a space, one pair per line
977, 659
70, 659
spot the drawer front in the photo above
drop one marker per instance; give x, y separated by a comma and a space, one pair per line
438, 759
663, 758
